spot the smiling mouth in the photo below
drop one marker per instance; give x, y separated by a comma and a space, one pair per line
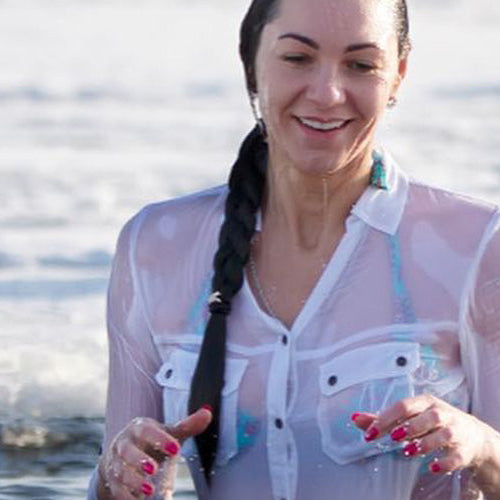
323, 126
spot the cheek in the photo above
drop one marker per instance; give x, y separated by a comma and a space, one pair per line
273, 101
372, 98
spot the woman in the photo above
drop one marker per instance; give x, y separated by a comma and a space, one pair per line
350, 343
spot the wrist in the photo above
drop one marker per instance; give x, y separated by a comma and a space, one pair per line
103, 486
488, 450
485, 468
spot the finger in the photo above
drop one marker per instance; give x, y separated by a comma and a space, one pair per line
123, 477
192, 425
433, 418
139, 460
438, 440
397, 414
153, 438
453, 460
363, 420
123, 493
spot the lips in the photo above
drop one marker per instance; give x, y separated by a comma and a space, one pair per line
322, 125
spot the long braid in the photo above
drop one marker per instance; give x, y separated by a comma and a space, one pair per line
246, 187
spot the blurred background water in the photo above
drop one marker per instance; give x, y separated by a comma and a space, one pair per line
106, 105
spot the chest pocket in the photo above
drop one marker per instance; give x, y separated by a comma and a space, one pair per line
175, 377
366, 379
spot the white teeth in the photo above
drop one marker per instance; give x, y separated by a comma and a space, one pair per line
322, 126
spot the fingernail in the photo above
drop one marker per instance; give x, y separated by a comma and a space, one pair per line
171, 448
399, 433
208, 407
371, 434
411, 449
435, 467
354, 416
148, 467
147, 489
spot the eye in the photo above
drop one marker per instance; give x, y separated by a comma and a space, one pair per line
296, 58
361, 66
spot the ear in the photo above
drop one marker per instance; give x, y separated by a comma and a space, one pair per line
402, 67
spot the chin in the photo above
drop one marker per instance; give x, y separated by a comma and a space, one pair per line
319, 164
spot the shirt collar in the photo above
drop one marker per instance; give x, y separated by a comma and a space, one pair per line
383, 208
380, 208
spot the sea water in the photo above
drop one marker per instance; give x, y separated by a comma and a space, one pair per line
106, 105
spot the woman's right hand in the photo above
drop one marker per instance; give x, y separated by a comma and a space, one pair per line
135, 454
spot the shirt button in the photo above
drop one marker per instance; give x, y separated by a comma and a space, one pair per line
169, 373
332, 380
284, 340
278, 423
401, 361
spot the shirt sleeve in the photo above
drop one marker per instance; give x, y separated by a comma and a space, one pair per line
480, 328
92, 489
133, 357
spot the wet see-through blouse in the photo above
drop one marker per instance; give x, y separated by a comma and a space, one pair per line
409, 303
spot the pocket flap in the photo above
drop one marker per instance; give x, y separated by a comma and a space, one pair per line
390, 359
176, 373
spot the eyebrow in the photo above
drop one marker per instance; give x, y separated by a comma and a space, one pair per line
300, 38
362, 46
315, 45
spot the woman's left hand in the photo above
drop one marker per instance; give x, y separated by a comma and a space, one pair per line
430, 424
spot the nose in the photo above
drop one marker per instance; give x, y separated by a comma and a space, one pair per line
326, 87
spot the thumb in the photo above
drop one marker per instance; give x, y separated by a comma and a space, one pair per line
192, 425
363, 420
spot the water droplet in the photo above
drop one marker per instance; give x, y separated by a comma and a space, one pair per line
375, 469
382, 446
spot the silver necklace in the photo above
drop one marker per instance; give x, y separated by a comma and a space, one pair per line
258, 286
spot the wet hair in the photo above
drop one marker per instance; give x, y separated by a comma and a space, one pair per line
246, 188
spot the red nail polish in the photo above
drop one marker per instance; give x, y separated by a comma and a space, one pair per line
148, 467
147, 489
208, 407
354, 416
435, 467
399, 433
171, 449
371, 434
411, 449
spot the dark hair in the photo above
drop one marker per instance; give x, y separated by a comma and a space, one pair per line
246, 187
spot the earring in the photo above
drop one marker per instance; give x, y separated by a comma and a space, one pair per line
258, 118
392, 102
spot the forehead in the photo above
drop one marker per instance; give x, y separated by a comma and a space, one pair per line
352, 20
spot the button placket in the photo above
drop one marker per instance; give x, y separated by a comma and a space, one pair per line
278, 431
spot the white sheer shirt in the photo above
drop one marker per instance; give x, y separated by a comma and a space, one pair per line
408, 304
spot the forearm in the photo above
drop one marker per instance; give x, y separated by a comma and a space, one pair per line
486, 474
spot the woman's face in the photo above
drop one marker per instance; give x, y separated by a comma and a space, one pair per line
325, 71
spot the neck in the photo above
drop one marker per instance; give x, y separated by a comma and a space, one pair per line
308, 210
